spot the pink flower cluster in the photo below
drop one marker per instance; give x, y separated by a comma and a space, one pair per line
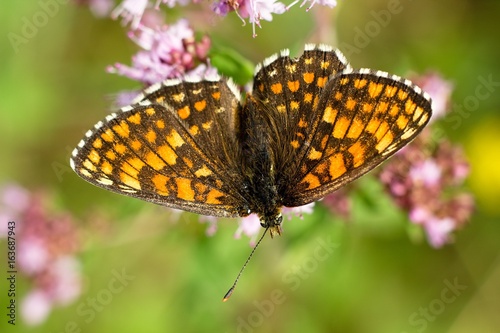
167, 52
46, 248
132, 11
426, 179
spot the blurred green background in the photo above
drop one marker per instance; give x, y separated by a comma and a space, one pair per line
375, 278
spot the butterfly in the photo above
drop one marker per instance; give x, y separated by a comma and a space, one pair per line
309, 126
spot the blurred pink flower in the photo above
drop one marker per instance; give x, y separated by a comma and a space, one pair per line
419, 215
211, 221
438, 230
222, 7
123, 98
425, 172
14, 197
33, 255
290, 212
256, 10
35, 307
100, 8
440, 91
67, 284
13, 200
250, 226
328, 3
131, 12
47, 244
172, 3
339, 202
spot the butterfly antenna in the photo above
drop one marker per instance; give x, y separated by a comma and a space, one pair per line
230, 291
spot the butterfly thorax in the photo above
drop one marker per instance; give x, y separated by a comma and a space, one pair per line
259, 165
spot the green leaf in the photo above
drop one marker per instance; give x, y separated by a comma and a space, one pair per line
232, 64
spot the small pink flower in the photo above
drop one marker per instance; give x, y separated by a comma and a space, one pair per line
124, 98
398, 188
256, 10
298, 211
100, 8
131, 11
67, 282
419, 215
168, 52
328, 3
250, 226
14, 197
33, 255
171, 3
35, 307
440, 91
223, 7
461, 171
212, 224
339, 203
203, 70
438, 230
426, 172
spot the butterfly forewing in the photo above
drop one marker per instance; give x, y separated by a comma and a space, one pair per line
170, 152
363, 118
289, 90
210, 110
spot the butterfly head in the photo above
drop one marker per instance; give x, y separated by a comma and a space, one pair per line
273, 223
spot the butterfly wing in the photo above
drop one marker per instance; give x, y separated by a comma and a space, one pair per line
362, 118
176, 147
288, 91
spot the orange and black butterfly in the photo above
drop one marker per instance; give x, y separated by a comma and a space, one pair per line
310, 126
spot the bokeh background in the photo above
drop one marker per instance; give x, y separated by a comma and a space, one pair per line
148, 269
